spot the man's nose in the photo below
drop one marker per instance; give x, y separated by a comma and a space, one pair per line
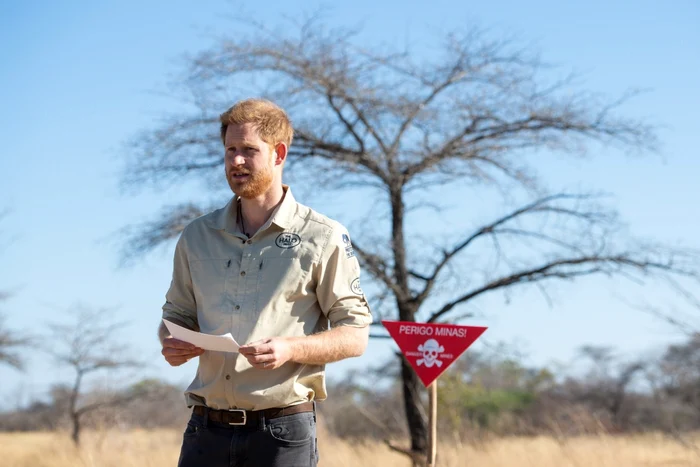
238, 159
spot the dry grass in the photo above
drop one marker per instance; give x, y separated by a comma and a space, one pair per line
160, 449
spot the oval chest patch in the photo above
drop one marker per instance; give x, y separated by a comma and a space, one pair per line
287, 240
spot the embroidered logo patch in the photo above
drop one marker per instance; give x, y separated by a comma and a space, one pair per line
355, 287
287, 240
349, 251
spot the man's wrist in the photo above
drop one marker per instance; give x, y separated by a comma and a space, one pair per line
293, 347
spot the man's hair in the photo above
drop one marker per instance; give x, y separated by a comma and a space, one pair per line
270, 121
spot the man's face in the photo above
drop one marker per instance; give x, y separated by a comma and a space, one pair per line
249, 161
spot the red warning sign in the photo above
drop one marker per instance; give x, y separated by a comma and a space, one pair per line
431, 348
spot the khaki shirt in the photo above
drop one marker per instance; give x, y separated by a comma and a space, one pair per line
296, 275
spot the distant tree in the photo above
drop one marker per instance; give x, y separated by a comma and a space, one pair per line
11, 345
606, 385
11, 341
476, 112
680, 366
148, 398
487, 390
87, 344
365, 404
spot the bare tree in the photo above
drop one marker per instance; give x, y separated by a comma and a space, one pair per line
11, 341
607, 384
404, 125
88, 345
11, 344
680, 367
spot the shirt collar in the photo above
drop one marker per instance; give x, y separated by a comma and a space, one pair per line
226, 218
283, 215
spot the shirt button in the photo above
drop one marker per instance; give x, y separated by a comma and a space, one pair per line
238, 307
228, 376
242, 273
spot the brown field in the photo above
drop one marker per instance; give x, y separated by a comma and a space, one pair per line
159, 448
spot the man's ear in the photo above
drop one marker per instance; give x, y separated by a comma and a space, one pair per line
280, 153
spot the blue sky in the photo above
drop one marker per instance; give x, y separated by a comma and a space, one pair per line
79, 79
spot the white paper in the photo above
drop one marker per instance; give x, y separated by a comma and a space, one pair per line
222, 343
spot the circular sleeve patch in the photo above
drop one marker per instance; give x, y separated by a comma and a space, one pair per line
355, 287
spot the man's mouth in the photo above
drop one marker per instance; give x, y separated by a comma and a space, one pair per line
239, 176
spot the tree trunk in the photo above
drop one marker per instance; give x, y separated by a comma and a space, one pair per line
75, 435
73, 407
398, 244
417, 425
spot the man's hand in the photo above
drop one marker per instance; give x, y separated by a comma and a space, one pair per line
268, 354
177, 352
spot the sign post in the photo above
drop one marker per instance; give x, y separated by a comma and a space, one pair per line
432, 441
430, 349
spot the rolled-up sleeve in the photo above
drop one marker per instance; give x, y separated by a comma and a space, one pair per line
180, 304
338, 289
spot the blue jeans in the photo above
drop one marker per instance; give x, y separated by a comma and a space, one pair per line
288, 441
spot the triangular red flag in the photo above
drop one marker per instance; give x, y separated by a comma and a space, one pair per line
432, 348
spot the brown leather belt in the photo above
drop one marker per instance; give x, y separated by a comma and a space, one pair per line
250, 417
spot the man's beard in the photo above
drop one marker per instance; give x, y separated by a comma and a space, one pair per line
258, 183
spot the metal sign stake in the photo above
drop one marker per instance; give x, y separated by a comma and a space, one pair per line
432, 441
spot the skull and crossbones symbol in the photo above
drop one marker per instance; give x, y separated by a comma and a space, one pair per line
431, 349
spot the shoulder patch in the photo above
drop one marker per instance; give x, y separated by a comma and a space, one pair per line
349, 250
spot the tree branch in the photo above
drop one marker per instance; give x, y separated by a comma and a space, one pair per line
562, 269
540, 206
378, 268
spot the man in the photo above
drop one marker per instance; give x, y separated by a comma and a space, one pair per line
274, 274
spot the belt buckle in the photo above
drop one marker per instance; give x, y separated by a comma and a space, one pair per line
245, 417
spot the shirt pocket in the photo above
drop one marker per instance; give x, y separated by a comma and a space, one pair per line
209, 284
279, 277
283, 278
